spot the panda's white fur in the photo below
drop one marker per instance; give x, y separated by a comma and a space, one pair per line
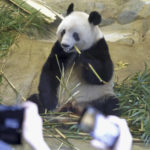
89, 34
75, 88
78, 22
72, 78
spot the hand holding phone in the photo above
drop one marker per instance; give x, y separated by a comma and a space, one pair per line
109, 133
11, 119
33, 127
124, 141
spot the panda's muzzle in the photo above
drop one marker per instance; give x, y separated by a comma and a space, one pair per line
66, 47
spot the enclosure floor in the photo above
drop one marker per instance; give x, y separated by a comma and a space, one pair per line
80, 144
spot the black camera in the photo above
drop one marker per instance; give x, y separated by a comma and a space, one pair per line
11, 119
99, 127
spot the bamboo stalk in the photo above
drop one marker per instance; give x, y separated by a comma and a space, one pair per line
12, 1
96, 74
70, 123
63, 84
78, 51
62, 135
12, 86
60, 146
30, 6
61, 140
74, 116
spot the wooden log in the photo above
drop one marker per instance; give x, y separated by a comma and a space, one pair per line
31, 6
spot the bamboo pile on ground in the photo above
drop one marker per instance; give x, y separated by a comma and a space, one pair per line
63, 126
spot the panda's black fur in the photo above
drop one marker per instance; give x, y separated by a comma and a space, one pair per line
97, 55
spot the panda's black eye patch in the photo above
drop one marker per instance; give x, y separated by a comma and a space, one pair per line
63, 32
76, 36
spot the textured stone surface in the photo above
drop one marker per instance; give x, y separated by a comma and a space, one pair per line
81, 145
133, 5
135, 30
127, 17
107, 21
145, 11
23, 67
127, 41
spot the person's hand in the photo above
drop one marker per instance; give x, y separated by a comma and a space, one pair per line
124, 141
32, 127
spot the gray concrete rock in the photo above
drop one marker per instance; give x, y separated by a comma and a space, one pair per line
134, 5
130, 11
100, 6
127, 41
127, 17
135, 30
107, 21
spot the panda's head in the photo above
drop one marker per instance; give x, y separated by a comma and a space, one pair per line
80, 29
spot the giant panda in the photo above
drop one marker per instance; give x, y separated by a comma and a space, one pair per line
66, 66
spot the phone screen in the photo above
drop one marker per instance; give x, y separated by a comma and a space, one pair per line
11, 118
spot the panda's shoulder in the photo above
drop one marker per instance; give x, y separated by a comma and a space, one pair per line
100, 48
57, 50
100, 44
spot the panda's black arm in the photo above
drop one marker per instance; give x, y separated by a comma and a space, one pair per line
48, 82
104, 70
98, 56
47, 88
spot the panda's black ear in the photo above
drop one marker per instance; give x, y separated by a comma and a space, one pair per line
94, 18
70, 8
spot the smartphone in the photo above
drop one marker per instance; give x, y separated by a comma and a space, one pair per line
11, 119
99, 127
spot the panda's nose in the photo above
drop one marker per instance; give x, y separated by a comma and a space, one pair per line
65, 45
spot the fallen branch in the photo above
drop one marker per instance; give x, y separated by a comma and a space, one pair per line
30, 6
12, 86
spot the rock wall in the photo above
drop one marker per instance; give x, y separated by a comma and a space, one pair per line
126, 18
22, 67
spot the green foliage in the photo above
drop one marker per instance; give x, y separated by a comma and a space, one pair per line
12, 22
6, 40
134, 95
